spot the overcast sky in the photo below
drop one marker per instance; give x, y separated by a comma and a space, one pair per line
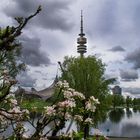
111, 27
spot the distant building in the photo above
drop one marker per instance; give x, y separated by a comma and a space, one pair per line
117, 90
42, 94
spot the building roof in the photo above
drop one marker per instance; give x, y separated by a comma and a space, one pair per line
44, 94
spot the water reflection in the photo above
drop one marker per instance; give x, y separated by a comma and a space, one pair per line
122, 123
130, 130
128, 113
116, 115
135, 110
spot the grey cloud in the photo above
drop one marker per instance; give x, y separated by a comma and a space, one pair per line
45, 78
54, 14
107, 20
115, 62
112, 23
25, 80
37, 71
133, 91
128, 75
117, 49
104, 23
134, 57
31, 53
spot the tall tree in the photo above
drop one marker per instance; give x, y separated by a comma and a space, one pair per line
86, 75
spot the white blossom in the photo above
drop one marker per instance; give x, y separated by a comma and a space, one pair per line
71, 89
10, 96
97, 132
67, 116
26, 111
67, 94
57, 123
2, 118
89, 121
90, 106
65, 84
5, 72
78, 118
16, 109
94, 100
49, 110
43, 139
25, 136
59, 83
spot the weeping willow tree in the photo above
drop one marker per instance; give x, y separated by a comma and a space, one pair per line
86, 75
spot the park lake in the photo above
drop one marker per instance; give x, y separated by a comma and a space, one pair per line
120, 123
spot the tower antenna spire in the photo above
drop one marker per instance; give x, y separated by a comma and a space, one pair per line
81, 21
81, 48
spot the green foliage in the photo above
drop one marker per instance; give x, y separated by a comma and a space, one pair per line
33, 104
78, 135
96, 138
86, 75
128, 102
118, 101
8, 35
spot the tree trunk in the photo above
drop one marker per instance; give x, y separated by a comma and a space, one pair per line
86, 131
57, 128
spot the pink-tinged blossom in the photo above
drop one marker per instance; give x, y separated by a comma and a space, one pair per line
16, 109
67, 104
13, 101
49, 110
97, 132
79, 95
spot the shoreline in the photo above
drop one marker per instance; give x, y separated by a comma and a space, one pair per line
123, 138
